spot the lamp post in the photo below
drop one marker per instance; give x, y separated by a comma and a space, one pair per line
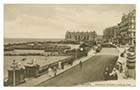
81, 49
14, 73
76, 54
45, 55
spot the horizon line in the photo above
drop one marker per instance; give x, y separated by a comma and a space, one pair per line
30, 38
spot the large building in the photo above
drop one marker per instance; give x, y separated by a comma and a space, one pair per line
123, 32
80, 36
110, 34
127, 28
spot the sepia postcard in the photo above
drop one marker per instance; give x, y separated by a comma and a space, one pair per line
69, 45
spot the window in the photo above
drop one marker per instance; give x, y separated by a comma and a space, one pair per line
132, 20
134, 34
131, 34
132, 27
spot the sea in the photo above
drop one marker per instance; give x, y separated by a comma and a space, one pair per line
24, 40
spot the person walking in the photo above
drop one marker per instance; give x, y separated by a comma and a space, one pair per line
62, 65
110, 68
121, 67
80, 64
59, 64
106, 74
114, 75
54, 70
50, 72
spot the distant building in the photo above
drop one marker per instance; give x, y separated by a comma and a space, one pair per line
80, 36
110, 34
99, 39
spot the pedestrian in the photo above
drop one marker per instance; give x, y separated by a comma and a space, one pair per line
122, 54
110, 68
59, 64
54, 70
71, 62
115, 75
121, 67
80, 63
62, 65
106, 74
111, 75
50, 72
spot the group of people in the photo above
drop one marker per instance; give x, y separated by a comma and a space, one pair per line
52, 71
110, 74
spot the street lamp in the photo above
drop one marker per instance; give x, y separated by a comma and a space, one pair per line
14, 73
81, 49
45, 55
76, 54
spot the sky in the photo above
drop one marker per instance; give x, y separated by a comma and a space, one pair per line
53, 20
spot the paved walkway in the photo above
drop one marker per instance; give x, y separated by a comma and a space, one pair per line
91, 70
44, 77
122, 79
130, 83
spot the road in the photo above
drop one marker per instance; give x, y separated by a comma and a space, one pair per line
92, 70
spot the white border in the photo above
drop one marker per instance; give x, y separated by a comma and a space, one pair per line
138, 46
72, 2
1, 44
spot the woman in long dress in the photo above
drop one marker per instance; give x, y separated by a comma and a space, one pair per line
50, 72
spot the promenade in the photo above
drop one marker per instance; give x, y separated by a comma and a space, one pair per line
122, 79
45, 77
98, 60
93, 57
92, 70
